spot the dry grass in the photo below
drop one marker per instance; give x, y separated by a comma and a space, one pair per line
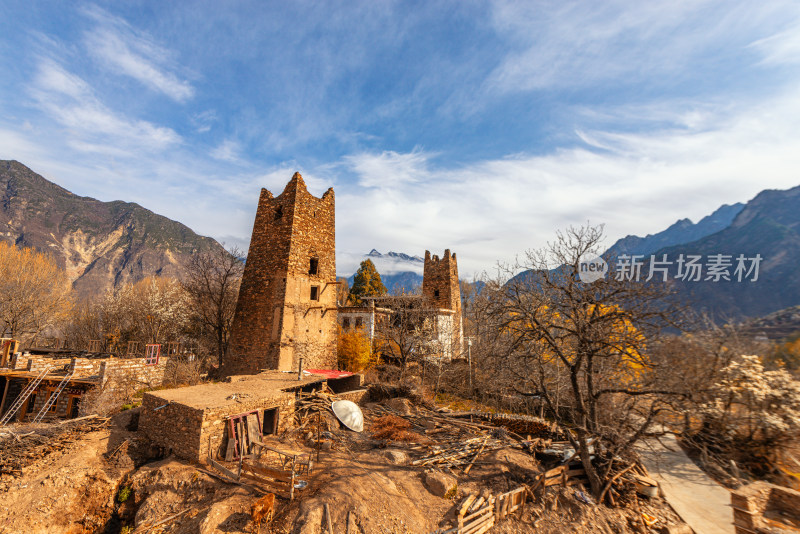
393, 428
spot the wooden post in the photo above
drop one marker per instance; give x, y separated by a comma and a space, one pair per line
291, 481
5, 393
319, 423
328, 518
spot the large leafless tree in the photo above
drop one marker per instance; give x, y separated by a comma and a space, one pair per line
212, 282
582, 348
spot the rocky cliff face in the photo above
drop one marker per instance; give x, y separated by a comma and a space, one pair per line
100, 244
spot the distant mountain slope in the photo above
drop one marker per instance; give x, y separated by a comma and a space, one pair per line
776, 325
100, 244
683, 231
768, 225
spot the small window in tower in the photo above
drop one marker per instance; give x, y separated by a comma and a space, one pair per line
314, 292
278, 212
313, 267
359, 322
436, 293
346, 323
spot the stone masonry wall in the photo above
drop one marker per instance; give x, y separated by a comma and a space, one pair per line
276, 320
176, 427
187, 431
61, 406
750, 502
441, 275
132, 372
84, 367
37, 363
215, 421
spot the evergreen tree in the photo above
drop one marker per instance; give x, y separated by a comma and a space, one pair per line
367, 283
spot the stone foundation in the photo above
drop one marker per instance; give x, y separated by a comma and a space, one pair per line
761, 507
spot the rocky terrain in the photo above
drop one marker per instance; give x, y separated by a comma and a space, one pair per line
103, 477
100, 244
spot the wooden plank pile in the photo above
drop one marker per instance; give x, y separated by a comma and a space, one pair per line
477, 514
279, 479
510, 502
243, 431
570, 474
458, 453
520, 424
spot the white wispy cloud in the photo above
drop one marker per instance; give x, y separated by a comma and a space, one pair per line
406, 168
90, 125
633, 183
203, 120
229, 150
577, 44
781, 48
127, 51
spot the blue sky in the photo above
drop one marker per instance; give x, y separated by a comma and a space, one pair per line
482, 127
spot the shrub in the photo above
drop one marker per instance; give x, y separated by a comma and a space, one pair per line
124, 493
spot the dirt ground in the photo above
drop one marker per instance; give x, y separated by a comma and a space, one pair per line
369, 487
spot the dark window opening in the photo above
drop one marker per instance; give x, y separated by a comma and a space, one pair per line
31, 403
314, 292
270, 425
75, 408
346, 323
436, 293
278, 212
313, 267
359, 322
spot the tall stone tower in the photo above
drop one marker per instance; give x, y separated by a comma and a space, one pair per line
287, 301
440, 287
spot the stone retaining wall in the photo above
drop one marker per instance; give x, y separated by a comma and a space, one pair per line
751, 501
175, 427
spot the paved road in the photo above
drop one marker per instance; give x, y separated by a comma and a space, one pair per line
701, 502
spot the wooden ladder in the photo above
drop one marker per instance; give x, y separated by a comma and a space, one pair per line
30, 388
53, 398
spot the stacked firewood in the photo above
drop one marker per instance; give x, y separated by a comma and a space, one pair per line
309, 404
459, 453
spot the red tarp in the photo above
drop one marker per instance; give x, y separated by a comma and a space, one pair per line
328, 373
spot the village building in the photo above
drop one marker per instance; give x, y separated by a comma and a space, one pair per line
437, 311
283, 339
44, 384
286, 309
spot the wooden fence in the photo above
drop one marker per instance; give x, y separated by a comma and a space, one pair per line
477, 515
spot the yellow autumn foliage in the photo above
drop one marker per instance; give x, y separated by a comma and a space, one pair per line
619, 336
35, 293
355, 352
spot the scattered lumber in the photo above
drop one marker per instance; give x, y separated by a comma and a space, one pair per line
460, 453
85, 417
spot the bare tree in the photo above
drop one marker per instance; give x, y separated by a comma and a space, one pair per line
581, 347
212, 282
408, 333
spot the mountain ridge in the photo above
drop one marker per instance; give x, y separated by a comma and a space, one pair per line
681, 231
100, 244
